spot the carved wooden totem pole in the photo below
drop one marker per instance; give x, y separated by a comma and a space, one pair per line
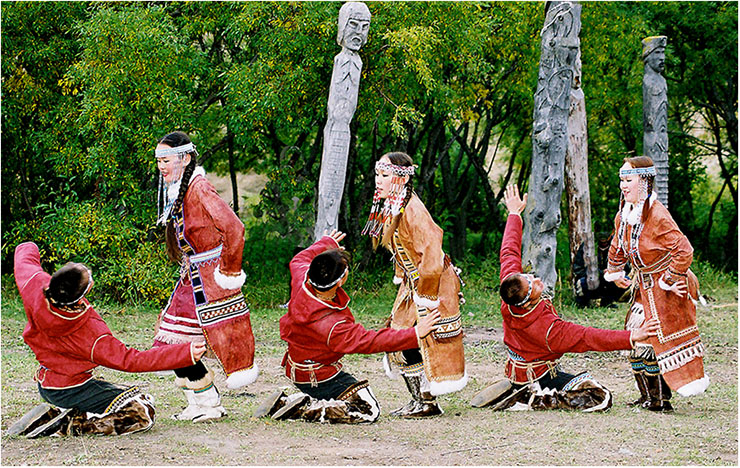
580, 232
550, 137
655, 111
353, 27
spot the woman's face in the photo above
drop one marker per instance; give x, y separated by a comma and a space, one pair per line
630, 185
171, 167
383, 179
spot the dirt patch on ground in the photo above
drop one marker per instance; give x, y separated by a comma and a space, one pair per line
703, 430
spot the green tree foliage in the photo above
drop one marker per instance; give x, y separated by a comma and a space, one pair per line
89, 87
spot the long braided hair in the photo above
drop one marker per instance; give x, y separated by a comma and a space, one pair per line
397, 158
174, 140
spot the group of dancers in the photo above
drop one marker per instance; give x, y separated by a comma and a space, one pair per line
207, 315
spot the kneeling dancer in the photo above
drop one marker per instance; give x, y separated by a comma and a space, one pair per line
536, 337
69, 340
320, 329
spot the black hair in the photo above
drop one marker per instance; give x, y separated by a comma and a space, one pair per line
513, 290
327, 267
173, 140
67, 284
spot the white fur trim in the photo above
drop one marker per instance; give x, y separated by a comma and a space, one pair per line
229, 282
694, 388
424, 302
440, 388
392, 374
614, 275
243, 377
397, 279
519, 406
603, 404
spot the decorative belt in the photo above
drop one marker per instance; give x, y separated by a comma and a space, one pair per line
530, 366
311, 368
657, 266
646, 272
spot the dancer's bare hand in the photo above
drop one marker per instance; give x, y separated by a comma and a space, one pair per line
427, 324
514, 203
623, 283
338, 236
679, 288
198, 349
647, 329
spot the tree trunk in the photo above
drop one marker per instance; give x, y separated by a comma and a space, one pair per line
232, 172
550, 138
580, 232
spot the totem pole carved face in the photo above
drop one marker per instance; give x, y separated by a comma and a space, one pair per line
656, 60
353, 25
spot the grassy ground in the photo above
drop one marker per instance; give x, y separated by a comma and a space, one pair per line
702, 431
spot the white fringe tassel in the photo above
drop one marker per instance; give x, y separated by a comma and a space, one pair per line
681, 359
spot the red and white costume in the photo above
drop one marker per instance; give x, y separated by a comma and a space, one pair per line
537, 338
69, 345
320, 333
660, 255
207, 300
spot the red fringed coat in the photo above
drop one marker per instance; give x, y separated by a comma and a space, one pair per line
207, 300
537, 338
320, 333
69, 345
660, 255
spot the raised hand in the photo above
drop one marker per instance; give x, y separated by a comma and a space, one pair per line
338, 236
514, 203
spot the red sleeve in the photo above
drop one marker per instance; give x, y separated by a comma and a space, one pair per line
300, 263
108, 351
567, 337
511, 247
26, 264
228, 225
352, 338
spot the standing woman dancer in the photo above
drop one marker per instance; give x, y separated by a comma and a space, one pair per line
427, 281
206, 238
664, 287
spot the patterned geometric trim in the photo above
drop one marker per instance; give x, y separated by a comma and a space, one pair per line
449, 327
575, 381
406, 264
207, 255
680, 355
413, 369
121, 400
216, 312
514, 356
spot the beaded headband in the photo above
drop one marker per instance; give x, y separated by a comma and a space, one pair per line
87, 290
176, 151
327, 286
638, 171
397, 170
526, 298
